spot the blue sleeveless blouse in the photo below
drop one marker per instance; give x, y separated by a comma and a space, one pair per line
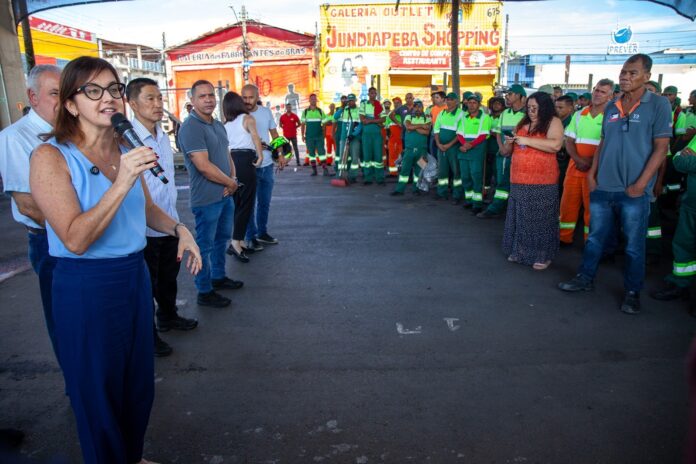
126, 232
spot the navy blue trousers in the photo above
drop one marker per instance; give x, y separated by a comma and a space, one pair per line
102, 311
43, 265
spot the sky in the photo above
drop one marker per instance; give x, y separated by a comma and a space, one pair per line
560, 26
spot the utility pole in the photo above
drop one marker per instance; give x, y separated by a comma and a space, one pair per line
26, 35
163, 58
504, 70
245, 47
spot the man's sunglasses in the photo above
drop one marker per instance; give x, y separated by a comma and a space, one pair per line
95, 91
625, 124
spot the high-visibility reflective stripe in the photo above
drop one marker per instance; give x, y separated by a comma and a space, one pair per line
393, 169
313, 120
377, 165
501, 195
586, 230
654, 232
673, 187
684, 269
403, 179
587, 141
469, 194
354, 167
457, 183
477, 197
567, 225
442, 181
680, 131
452, 128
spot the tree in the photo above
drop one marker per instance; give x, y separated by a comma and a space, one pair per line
465, 6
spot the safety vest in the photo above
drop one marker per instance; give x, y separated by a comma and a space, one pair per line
312, 119
587, 133
690, 115
471, 127
387, 122
679, 119
349, 117
447, 124
508, 121
413, 139
367, 109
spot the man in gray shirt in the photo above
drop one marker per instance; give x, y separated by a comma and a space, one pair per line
636, 130
212, 179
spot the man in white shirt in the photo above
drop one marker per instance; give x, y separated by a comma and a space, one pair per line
257, 230
145, 99
16, 144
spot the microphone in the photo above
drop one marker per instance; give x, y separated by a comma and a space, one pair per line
124, 128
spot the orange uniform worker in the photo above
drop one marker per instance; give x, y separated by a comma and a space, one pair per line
395, 144
583, 135
329, 134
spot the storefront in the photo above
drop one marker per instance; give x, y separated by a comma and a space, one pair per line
281, 64
57, 44
406, 49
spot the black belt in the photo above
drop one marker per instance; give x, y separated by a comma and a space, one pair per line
35, 231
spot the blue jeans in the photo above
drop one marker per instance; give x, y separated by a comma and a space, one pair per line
632, 214
43, 265
213, 232
258, 224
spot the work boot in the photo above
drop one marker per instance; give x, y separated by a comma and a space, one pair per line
213, 299
314, 170
326, 171
577, 284
476, 210
670, 292
176, 323
227, 284
396, 193
631, 303
162, 348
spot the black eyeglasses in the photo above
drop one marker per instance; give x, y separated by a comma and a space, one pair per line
95, 91
624, 124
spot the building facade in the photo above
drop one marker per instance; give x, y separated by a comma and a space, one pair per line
406, 49
57, 43
280, 63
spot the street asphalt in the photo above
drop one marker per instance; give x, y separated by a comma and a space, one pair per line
381, 330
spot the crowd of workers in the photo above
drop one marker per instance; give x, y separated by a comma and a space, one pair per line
543, 147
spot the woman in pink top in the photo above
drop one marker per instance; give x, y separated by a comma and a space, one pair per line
531, 226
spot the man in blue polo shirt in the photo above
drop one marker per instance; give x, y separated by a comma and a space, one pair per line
636, 130
203, 140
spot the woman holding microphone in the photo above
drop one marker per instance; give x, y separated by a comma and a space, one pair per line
247, 155
97, 206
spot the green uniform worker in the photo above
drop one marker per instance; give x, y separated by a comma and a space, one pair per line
337, 134
372, 141
684, 243
312, 120
350, 128
445, 133
474, 129
417, 131
506, 125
